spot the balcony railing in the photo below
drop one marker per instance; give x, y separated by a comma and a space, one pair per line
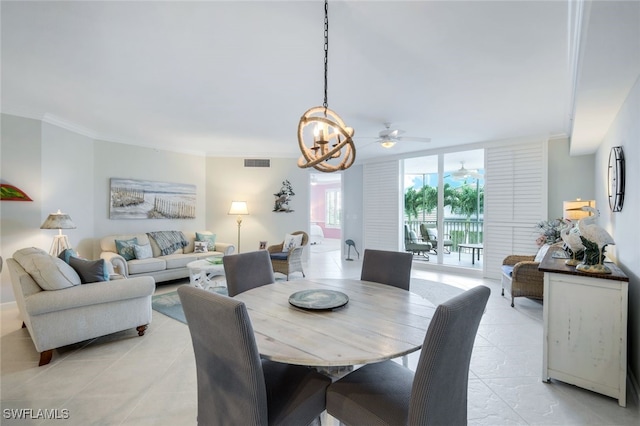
457, 230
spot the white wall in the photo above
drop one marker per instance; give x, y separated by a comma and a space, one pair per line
20, 166
569, 177
114, 160
623, 226
228, 180
67, 160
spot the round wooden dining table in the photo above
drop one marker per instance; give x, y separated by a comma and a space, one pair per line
379, 322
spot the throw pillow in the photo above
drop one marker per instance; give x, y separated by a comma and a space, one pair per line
90, 271
66, 254
143, 251
209, 238
433, 233
125, 248
201, 247
541, 253
49, 272
291, 242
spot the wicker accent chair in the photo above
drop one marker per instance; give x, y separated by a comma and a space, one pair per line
288, 262
524, 280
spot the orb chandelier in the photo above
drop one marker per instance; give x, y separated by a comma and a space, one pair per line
332, 148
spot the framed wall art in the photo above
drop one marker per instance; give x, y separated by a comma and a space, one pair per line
144, 199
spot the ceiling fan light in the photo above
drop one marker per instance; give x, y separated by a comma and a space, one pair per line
388, 143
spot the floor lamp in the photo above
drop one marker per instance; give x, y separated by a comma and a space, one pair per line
239, 208
58, 221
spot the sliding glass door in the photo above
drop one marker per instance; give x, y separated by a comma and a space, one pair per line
443, 205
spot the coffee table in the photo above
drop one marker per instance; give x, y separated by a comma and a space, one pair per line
203, 274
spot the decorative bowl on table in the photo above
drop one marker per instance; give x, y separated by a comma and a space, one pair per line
318, 299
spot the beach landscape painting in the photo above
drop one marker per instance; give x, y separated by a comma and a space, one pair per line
144, 199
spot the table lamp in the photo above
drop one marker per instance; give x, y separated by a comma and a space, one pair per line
58, 221
239, 208
572, 210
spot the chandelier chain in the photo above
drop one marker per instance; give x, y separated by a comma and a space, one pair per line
326, 53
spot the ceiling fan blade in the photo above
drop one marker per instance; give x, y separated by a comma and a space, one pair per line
413, 139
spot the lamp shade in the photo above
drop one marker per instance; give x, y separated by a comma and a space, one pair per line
58, 220
238, 208
572, 210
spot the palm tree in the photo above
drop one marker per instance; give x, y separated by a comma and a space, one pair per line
412, 201
469, 201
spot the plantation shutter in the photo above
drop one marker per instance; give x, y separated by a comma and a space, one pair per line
515, 200
382, 206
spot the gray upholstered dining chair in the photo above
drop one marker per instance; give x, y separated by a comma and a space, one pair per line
235, 386
245, 271
389, 394
387, 267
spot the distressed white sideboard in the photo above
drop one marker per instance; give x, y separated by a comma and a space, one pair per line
585, 328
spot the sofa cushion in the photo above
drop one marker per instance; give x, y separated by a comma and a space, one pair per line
180, 260
144, 266
209, 237
125, 248
90, 271
279, 256
49, 272
507, 270
143, 251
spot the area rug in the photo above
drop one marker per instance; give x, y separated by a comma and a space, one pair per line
169, 304
435, 292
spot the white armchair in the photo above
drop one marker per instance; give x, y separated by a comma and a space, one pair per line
56, 318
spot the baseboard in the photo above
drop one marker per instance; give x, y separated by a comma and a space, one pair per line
8, 305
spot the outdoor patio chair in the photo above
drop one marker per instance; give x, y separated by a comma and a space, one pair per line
412, 245
429, 232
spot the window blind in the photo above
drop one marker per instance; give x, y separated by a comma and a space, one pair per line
382, 206
515, 200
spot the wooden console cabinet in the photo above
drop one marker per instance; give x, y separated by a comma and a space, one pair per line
585, 328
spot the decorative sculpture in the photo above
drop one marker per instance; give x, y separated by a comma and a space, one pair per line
283, 197
571, 237
595, 239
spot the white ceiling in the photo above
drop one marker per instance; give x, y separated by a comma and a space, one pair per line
233, 78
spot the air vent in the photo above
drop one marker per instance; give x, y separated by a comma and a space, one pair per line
257, 162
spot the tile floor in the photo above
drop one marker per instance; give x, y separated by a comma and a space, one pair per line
122, 379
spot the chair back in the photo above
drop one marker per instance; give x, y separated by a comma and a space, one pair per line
429, 232
439, 393
387, 267
231, 386
245, 271
305, 237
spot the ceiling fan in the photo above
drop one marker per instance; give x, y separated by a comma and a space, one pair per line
388, 137
463, 173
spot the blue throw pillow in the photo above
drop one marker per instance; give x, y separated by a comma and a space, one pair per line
66, 254
143, 252
125, 248
90, 271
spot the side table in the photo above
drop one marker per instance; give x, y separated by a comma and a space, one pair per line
203, 274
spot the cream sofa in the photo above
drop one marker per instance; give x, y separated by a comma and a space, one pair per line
160, 267
69, 312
